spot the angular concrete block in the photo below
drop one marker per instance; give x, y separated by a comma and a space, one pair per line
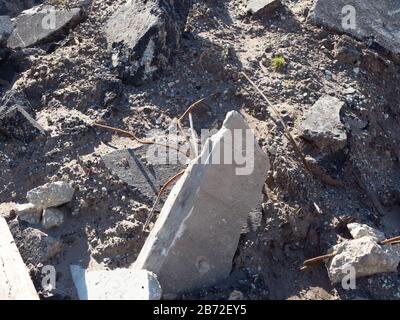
195, 238
29, 213
119, 284
34, 27
15, 282
51, 194
365, 256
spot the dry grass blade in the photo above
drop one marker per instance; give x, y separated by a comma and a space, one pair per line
281, 121
310, 262
390, 241
164, 187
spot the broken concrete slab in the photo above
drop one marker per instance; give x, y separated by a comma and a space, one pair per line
119, 284
143, 37
52, 218
323, 127
133, 167
194, 240
52, 194
15, 282
34, 27
6, 28
376, 21
365, 255
16, 122
359, 230
259, 7
29, 213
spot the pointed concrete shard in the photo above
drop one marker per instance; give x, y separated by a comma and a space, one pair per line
193, 243
119, 284
15, 282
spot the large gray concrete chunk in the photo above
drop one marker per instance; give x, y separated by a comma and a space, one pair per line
6, 28
258, 7
52, 217
359, 230
322, 125
36, 27
363, 19
51, 194
119, 284
143, 37
15, 282
196, 235
365, 255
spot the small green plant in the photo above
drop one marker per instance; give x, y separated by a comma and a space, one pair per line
278, 61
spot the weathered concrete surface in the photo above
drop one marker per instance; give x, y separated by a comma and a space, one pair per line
52, 194
15, 282
29, 213
375, 20
6, 28
52, 218
365, 255
358, 230
258, 7
131, 166
323, 127
195, 238
119, 284
143, 36
36, 27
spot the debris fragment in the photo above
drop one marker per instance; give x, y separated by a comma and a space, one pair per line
52, 217
322, 125
365, 255
202, 218
362, 19
15, 282
29, 213
258, 7
358, 230
52, 194
34, 27
143, 37
119, 284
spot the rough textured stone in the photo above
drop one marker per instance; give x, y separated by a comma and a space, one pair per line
378, 21
146, 178
6, 28
262, 6
38, 247
119, 284
322, 125
52, 194
29, 213
15, 282
143, 37
36, 27
52, 217
358, 230
365, 255
195, 238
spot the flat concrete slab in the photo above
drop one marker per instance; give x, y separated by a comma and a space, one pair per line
119, 284
194, 240
15, 282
